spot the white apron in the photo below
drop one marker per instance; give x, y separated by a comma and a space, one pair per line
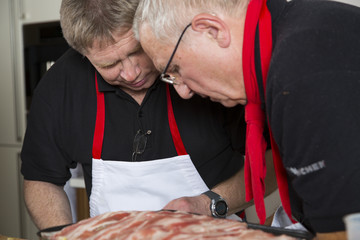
147, 185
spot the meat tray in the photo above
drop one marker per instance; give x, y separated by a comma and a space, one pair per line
298, 234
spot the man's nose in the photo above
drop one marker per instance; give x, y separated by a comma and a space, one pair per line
130, 70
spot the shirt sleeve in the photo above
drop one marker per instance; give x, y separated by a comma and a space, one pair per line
42, 156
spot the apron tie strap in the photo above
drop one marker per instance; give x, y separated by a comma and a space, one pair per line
255, 166
258, 16
179, 145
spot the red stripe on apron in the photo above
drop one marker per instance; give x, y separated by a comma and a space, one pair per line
255, 168
180, 149
99, 124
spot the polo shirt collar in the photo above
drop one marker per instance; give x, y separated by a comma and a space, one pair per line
103, 85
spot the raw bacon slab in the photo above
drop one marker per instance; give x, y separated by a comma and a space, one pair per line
159, 225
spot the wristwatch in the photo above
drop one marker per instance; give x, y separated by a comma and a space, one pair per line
218, 205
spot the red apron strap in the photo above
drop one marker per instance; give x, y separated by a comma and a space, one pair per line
173, 126
255, 167
281, 177
99, 124
265, 55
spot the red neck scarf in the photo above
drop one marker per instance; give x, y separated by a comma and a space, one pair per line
258, 15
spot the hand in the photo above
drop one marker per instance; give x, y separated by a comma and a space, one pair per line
199, 204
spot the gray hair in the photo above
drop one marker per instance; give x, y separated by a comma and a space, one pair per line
84, 21
167, 18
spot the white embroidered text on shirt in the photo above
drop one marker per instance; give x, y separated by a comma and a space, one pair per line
307, 169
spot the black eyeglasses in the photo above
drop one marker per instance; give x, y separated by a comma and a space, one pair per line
167, 77
139, 143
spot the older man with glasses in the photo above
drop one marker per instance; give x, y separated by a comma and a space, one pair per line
295, 65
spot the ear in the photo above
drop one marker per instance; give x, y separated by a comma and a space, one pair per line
215, 28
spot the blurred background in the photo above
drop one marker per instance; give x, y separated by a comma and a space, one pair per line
30, 41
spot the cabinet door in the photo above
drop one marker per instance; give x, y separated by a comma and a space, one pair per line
14, 218
9, 129
10, 220
40, 10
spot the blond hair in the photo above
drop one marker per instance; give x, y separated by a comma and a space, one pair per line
84, 21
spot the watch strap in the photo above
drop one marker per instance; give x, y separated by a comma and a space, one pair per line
213, 195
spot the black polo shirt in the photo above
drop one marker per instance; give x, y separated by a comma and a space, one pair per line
62, 119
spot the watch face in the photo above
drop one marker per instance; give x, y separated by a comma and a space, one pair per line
221, 208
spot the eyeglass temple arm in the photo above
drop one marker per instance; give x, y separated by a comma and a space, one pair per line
176, 46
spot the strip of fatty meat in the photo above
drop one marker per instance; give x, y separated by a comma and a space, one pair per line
164, 225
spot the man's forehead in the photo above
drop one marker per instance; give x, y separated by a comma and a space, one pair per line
125, 42
125, 38
158, 51
159, 57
